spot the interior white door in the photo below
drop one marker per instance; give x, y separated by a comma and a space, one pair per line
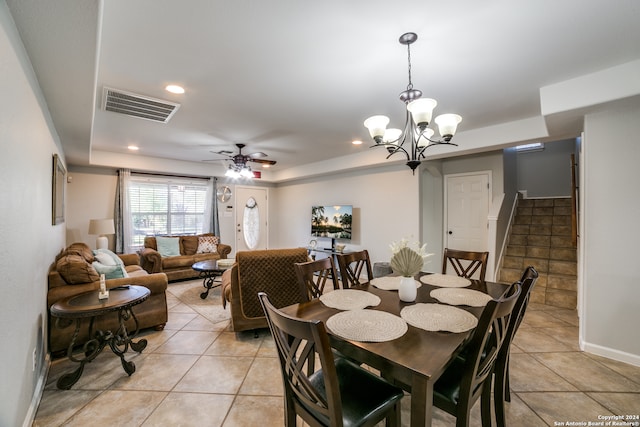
252, 215
467, 204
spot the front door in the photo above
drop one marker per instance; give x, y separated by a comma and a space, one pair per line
251, 218
467, 204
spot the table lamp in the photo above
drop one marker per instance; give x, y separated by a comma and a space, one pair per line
101, 227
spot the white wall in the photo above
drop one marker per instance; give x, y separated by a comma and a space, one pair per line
30, 242
611, 282
385, 202
547, 173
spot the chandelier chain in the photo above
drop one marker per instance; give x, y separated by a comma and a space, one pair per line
410, 85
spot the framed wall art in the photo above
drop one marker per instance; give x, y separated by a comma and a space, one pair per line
57, 191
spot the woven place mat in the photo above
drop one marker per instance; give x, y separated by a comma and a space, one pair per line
367, 325
389, 283
445, 280
349, 299
455, 296
439, 317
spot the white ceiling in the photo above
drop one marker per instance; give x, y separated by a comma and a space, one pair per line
295, 79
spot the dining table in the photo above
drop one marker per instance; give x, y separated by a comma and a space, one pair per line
416, 359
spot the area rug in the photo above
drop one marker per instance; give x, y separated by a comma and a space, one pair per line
188, 292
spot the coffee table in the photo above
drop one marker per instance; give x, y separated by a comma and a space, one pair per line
87, 305
209, 270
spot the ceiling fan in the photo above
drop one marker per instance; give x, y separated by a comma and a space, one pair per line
240, 161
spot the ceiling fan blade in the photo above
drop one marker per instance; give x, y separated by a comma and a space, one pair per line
223, 152
257, 155
264, 162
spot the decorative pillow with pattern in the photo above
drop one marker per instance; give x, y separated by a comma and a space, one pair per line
208, 244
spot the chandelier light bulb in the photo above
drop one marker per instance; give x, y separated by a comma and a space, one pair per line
424, 137
421, 110
377, 126
447, 125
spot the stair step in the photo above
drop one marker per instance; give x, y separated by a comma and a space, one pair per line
563, 254
557, 281
569, 268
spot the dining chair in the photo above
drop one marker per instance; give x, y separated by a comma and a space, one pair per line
501, 387
468, 379
339, 393
351, 268
465, 263
313, 277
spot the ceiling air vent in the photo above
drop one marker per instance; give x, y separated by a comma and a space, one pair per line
143, 107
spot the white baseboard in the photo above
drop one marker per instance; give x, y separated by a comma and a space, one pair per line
37, 392
621, 356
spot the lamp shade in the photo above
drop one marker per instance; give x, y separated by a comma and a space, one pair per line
447, 124
421, 110
101, 226
377, 126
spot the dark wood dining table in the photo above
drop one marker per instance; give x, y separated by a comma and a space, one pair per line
418, 358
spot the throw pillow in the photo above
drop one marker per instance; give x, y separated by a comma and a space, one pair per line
110, 263
75, 270
82, 249
168, 246
189, 244
208, 244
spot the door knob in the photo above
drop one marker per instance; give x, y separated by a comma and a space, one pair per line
450, 232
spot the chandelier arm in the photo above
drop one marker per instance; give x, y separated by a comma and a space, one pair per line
421, 153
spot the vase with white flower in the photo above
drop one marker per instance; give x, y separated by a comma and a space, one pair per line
407, 260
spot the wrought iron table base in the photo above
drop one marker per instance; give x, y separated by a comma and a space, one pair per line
118, 342
208, 281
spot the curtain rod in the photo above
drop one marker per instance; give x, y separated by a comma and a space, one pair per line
175, 176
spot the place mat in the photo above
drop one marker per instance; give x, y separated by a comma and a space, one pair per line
438, 317
457, 296
349, 299
389, 283
445, 280
367, 325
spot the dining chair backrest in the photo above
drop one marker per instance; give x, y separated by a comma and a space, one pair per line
313, 277
469, 378
501, 382
352, 265
318, 397
465, 263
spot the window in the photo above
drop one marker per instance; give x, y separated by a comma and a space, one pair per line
167, 207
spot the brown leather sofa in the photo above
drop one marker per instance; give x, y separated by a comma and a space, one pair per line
75, 262
269, 271
178, 267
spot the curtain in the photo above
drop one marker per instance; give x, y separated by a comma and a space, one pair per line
122, 214
215, 223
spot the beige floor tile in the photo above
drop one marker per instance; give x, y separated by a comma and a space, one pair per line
267, 348
625, 369
56, 406
215, 374
179, 320
561, 407
542, 319
528, 374
619, 403
159, 372
256, 411
155, 338
568, 335
585, 373
201, 323
181, 308
532, 340
232, 344
191, 410
264, 378
188, 342
117, 408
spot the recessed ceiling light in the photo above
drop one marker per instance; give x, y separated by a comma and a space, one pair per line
133, 148
266, 165
356, 142
174, 89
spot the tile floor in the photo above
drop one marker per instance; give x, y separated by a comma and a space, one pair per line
197, 373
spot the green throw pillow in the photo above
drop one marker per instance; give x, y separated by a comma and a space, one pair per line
109, 264
168, 246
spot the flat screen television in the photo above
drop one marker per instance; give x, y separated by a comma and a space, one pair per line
333, 222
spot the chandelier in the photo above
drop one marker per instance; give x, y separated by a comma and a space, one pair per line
416, 136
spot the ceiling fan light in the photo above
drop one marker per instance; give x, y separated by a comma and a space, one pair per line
447, 125
246, 173
377, 126
391, 136
231, 173
421, 111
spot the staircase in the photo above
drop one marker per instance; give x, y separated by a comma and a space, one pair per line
541, 236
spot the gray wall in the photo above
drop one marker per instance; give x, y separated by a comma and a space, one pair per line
29, 241
547, 173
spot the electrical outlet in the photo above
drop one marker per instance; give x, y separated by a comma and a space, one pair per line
34, 360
